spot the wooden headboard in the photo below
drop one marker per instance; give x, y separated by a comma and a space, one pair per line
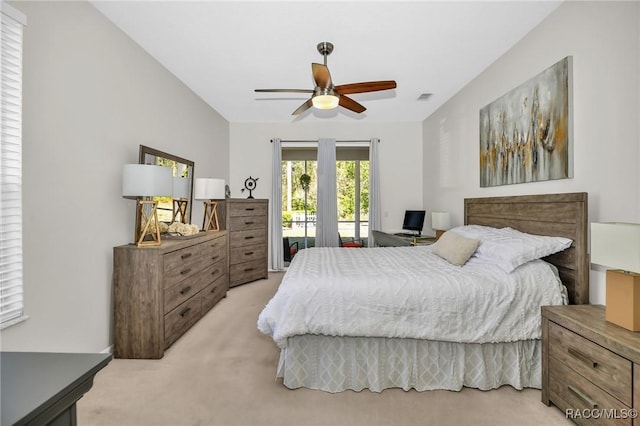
562, 215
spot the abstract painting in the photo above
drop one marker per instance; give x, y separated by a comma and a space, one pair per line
525, 135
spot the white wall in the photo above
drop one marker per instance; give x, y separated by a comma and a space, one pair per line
604, 40
401, 176
91, 97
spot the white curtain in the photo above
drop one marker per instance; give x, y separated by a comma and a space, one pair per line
327, 211
375, 213
277, 255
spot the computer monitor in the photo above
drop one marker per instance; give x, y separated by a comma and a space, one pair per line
413, 220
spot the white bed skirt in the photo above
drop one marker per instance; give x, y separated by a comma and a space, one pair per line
336, 364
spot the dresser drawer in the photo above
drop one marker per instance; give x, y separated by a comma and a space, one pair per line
184, 263
180, 319
246, 238
247, 271
177, 294
213, 293
597, 364
247, 253
241, 223
214, 255
215, 249
215, 271
570, 391
248, 208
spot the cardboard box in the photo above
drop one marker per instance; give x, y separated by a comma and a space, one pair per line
623, 299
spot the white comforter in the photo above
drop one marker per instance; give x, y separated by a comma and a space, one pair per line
408, 292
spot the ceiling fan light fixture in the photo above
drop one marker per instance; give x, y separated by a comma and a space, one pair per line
328, 96
325, 101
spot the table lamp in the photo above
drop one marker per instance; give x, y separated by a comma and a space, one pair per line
143, 182
208, 190
617, 246
180, 199
440, 222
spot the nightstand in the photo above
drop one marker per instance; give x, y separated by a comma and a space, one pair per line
590, 367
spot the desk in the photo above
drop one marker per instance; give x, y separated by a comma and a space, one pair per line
384, 239
42, 388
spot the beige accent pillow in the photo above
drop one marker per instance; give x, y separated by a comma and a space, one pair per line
455, 248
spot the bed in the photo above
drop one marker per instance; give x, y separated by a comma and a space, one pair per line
485, 335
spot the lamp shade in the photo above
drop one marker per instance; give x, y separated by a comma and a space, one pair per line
208, 189
180, 187
616, 245
146, 180
440, 221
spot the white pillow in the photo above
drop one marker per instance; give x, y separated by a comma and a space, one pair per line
455, 248
478, 232
510, 248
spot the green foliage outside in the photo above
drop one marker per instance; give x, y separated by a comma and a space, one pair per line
345, 180
286, 219
345, 177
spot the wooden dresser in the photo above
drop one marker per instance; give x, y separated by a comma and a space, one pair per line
246, 221
160, 292
590, 368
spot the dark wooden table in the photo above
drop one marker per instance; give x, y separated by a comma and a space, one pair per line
41, 388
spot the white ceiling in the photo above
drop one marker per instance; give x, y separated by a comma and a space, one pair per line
223, 50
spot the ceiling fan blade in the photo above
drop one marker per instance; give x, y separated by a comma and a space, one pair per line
286, 90
302, 108
369, 86
321, 76
349, 103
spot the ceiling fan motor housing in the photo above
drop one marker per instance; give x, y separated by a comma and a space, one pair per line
324, 91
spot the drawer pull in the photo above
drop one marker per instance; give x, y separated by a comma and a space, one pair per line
185, 271
185, 290
249, 237
582, 357
249, 223
215, 271
215, 257
583, 397
185, 312
249, 253
186, 256
248, 269
213, 290
249, 209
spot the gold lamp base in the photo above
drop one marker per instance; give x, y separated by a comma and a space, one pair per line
210, 221
623, 299
180, 210
147, 228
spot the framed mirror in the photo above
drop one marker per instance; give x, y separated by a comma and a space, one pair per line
178, 207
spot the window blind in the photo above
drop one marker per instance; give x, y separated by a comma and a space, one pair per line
11, 299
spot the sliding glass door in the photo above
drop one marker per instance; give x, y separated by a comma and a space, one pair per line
299, 193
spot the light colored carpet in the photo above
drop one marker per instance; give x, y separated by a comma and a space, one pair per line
222, 372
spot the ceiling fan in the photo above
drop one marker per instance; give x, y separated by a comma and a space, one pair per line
327, 96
